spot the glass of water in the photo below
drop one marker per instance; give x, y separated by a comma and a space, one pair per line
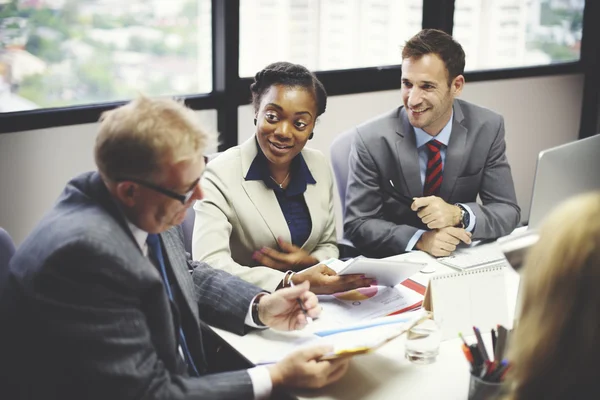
423, 342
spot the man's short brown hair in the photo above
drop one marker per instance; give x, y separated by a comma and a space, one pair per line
135, 140
434, 41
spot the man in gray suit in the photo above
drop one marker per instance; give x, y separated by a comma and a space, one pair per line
416, 171
102, 301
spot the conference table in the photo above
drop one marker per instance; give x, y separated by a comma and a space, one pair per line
385, 373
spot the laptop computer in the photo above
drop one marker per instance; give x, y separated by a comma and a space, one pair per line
562, 172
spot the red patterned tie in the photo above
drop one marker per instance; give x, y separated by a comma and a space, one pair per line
433, 176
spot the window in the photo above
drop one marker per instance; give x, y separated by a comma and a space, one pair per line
517, 33
333, 34
56, 53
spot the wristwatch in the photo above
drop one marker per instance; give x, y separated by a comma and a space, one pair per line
465, 217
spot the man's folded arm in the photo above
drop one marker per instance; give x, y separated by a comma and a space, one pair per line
363, 223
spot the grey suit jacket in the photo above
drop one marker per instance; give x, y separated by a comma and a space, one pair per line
385, 148
238, 217
91, 318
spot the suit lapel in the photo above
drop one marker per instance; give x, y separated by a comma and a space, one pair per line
406, 150
312, 198
262, 197
455, 154
176, 258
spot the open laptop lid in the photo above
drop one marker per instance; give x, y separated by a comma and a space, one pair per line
562, 172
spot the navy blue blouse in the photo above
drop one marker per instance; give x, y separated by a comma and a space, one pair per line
291, 199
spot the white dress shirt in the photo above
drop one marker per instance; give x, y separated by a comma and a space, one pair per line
422, 138
260, 377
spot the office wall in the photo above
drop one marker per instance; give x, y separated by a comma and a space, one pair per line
539, 112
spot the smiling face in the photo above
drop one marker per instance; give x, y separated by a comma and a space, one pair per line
156, 212
285, 119
426, 94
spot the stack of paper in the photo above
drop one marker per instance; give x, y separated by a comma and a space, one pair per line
367, 303
353, 340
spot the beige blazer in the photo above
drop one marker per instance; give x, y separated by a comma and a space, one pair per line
237, 217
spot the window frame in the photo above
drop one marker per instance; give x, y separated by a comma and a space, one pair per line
231, 91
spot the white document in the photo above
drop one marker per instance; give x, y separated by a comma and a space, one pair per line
368, 303
474, 257
386, 272
351, 341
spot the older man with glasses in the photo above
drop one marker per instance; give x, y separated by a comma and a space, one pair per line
102, 302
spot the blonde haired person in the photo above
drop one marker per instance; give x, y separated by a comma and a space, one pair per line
102, 303
556, 345
134, 139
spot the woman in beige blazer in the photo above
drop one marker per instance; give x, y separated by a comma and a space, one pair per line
267, 210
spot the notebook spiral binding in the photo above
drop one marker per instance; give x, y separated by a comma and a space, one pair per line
496, 267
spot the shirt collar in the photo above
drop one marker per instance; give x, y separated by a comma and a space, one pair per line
300, 175
140, 237
443, 137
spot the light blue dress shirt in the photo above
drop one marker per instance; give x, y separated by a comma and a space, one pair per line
422, 138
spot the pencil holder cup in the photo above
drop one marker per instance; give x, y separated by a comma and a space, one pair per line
483, 390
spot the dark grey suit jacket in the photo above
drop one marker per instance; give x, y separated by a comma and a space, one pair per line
90, 318
385, 148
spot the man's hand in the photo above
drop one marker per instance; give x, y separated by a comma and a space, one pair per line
290, 258
442, 242
302, 369
280, 310
324, 280
435, 212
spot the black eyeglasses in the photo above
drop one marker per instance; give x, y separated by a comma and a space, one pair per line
183, 198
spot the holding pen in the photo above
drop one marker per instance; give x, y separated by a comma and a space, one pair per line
309, 320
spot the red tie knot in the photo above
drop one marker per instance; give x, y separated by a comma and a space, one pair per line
434, 146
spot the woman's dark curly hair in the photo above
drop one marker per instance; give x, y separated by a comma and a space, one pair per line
291, 75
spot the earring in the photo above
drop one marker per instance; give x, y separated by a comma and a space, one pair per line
311, 135
254, 121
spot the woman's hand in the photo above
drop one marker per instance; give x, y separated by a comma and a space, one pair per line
324, 280
289, 258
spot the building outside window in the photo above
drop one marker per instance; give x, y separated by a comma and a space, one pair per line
56, 53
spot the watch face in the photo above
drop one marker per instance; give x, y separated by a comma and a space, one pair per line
465, 218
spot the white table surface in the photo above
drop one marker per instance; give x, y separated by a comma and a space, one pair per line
384, 374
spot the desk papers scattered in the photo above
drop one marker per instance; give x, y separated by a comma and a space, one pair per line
350, 342
386, 272
372, 302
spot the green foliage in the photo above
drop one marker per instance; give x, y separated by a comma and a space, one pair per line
45, 49
557, 52
43, 90
104, 22
93, 80
141, 45
9, 10
31, 89
96, 77
558, 16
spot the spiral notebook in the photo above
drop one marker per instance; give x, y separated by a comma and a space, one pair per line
469, 298
485, 255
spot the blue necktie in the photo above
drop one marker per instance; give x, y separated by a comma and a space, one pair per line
154, 246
